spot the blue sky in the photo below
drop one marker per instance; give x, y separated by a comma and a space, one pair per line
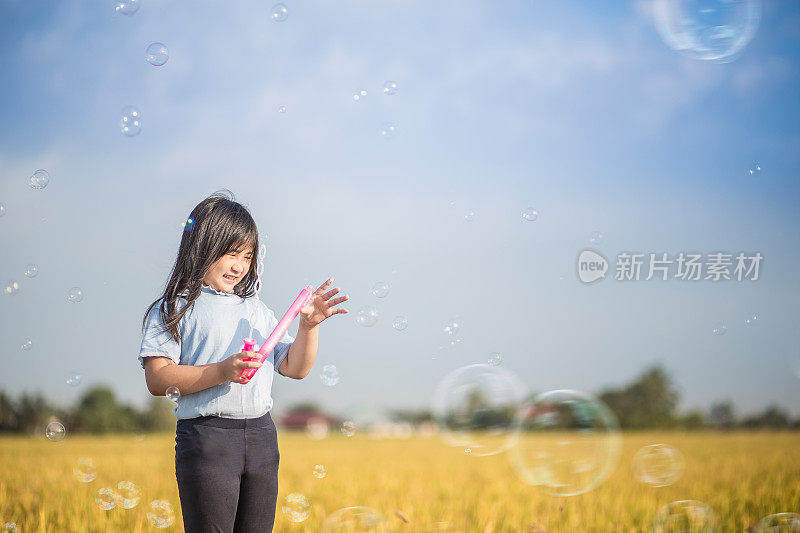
579, 111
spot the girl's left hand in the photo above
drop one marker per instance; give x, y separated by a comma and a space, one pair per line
321, 306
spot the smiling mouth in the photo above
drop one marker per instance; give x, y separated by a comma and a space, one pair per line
229, 278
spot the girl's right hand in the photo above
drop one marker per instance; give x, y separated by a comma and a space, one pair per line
233, 366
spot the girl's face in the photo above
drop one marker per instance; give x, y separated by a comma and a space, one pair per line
229, 270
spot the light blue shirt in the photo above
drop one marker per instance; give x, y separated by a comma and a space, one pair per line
211, 332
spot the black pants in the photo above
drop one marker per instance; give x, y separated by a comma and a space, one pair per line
227, 472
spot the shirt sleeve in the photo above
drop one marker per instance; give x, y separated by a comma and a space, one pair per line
281, 349
157, 341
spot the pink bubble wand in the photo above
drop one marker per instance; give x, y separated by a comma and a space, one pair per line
280, 330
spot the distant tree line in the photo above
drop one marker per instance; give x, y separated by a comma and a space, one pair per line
649, 402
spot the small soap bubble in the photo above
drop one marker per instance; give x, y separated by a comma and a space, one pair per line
130, 122
126, 7
282, 109
389, 130
173, 393
2, 210
160, 514
106, 499
367, 316
320, 471
85, 471
530, 214
39, 179
75, 295
390, 88
348, 428
596, 237
779, 522
400, 323
73, 380
55, 431
685, 515
11, 527
749, 321
27, 345
658, 465
754, 170
31, 270
279, 13
330, 375
12, 287
452, 326
469, 215
720, 329
495, 359
128, 494
359, 96
296, 507
157, 54
468, 450
380, 289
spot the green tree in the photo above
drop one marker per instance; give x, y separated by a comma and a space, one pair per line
99, 412
648, 402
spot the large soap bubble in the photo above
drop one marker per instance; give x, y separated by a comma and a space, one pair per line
658, 465
779, 522
685, 515
707, 29
475, 406
568, 441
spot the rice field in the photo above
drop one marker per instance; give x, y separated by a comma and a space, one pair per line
417, 484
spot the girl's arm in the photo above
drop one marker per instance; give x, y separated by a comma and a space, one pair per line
302, 352
162, 373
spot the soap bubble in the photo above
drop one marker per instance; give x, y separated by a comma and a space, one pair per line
475, 405
469, 215
495, 359
27, 345
74, 380
754, 170
658, 465
359, 96
749, 321
320, 471
39, 179
31, 270
160, 514
685, 515
106, 499
400, 323
282, 109
452, 326
530, 214
710, 30
173, 393
157, 54
720, 329
128, 494
126, 7
11, 527
780, 522
596, 237
85, 470
55, 431
279, 13
75, 295
380, 289
131, 121
388, 130
12, 287
568, 441
389, 88
2, 210
296, 507
348, 428
367, 316
355, 519
330, 375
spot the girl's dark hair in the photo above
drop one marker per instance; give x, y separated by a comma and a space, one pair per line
215, 227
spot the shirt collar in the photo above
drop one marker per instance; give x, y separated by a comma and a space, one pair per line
211, 290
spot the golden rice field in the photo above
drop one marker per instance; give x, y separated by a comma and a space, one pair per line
741, 476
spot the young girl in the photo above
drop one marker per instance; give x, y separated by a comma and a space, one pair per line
226, 448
